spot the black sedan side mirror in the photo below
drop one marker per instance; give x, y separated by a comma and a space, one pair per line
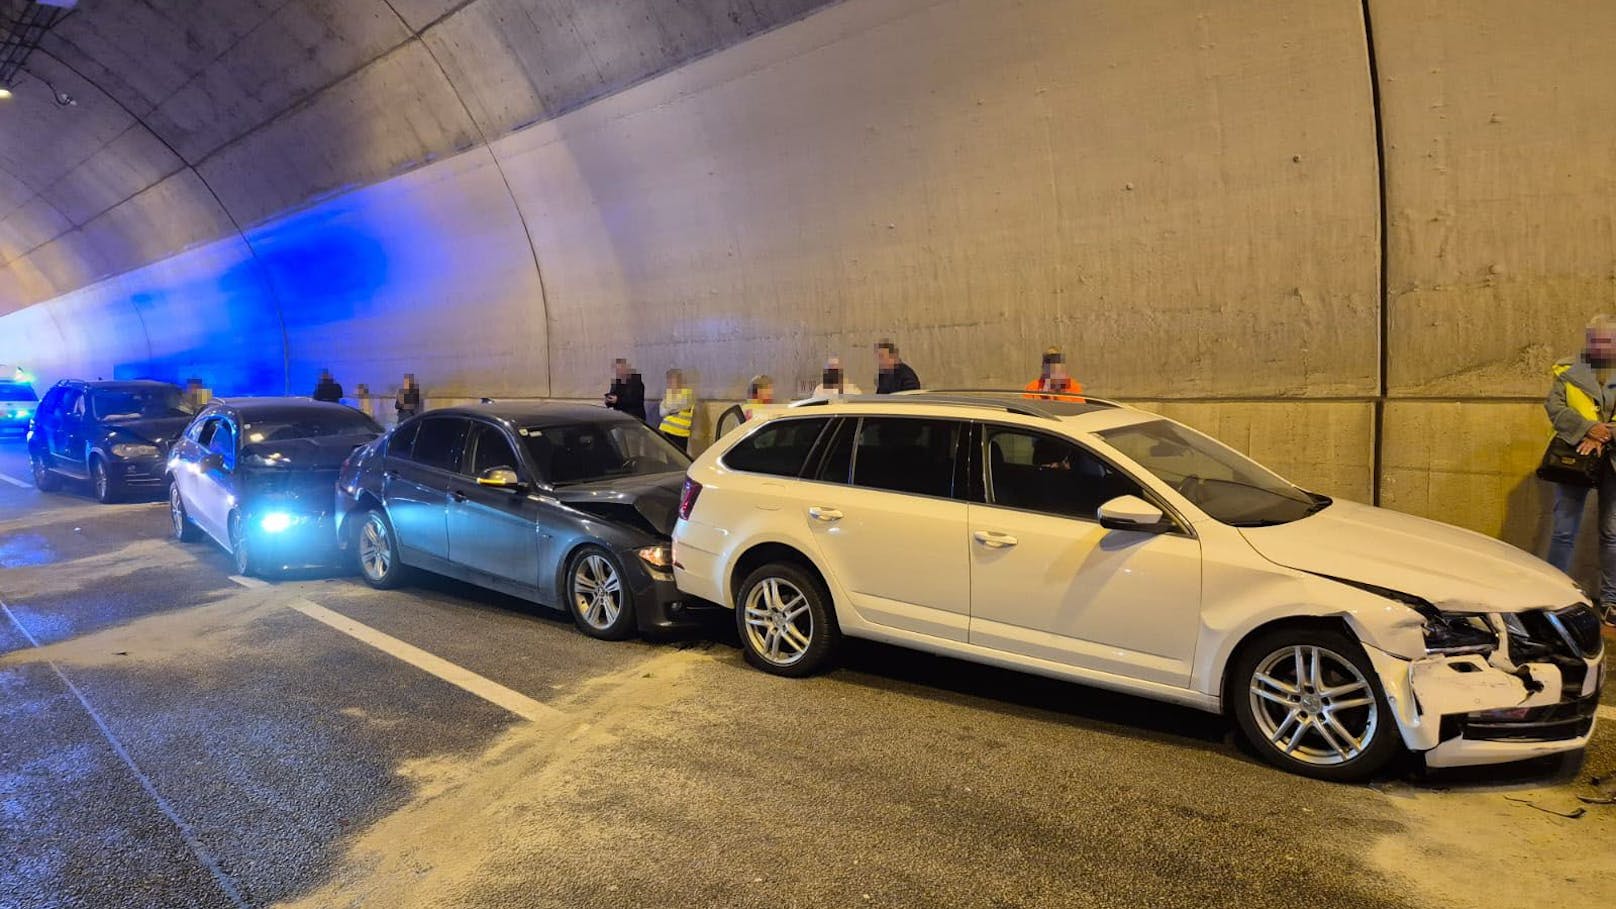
500, 478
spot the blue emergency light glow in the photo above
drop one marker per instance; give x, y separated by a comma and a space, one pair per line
275, 522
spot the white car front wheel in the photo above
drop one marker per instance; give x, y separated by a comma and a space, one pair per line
1309, 701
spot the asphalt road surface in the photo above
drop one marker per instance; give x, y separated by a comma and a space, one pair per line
171, 737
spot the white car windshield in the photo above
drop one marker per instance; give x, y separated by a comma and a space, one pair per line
1220, 481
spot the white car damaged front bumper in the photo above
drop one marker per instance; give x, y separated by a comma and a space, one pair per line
1485, 709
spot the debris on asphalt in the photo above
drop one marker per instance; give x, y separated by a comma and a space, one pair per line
1569, 815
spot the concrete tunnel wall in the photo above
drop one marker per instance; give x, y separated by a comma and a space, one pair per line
1188, 198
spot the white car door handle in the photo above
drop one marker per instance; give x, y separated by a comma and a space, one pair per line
993, 539
824, 514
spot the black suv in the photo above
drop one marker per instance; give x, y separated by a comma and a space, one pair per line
114, 434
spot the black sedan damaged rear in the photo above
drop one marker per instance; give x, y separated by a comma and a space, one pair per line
564, 505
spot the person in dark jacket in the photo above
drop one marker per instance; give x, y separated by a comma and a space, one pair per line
892, 374
327, 388
407, 403
627, 393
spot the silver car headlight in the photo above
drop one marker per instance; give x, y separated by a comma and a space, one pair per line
134, 450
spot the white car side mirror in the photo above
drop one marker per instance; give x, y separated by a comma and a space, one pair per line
1133, 513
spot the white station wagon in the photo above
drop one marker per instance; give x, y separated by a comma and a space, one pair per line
1094, 542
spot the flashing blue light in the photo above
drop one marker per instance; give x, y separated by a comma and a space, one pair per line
275, 522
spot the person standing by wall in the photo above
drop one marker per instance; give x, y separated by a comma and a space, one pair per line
627, 393
892, 374
407, 403
327, 388
1581, 398
759, 398
196, 395
363, 402
834, 382
1053, 382
678, 411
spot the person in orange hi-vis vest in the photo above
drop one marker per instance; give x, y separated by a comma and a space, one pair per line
1053, 383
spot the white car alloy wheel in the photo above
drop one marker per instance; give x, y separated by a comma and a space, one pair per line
239, 549
375, 548
779, 624
601, 606
1313, 705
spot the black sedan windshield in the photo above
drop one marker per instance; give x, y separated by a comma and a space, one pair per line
115, 404
1220, 481
281, 426
584, 452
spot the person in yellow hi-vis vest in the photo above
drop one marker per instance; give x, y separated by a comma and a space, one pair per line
1580, 403
678, 409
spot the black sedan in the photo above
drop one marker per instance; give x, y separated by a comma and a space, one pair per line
564, 505
256, 474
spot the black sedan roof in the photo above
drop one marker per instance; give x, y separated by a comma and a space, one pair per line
266, 407
538, 413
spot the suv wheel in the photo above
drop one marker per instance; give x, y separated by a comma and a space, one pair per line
376, 551
45, 479
601, 606
107, 490
184, 530
1309, 701
785, 620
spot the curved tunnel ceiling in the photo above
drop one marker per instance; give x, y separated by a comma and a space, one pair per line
197, 119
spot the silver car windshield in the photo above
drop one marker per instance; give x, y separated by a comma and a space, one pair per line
1220, 481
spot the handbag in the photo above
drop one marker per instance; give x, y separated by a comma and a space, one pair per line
1563, 464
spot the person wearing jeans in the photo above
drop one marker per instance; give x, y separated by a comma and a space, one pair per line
1581, 399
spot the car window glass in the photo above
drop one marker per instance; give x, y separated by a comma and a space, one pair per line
71, 399
585, 452
439, 441
222, 442
837, 461
17, 391
48, 404
906, 455
134, 403
402, 440
202, 431
489, 449
1043, 473
779, 448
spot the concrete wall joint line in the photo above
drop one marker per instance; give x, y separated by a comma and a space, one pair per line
1377, 439
521, 216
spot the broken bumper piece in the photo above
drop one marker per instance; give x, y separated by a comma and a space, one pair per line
1466, 710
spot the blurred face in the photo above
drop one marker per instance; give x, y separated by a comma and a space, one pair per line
1057, 372
620, 370
1600, 346
885, 359
765, 394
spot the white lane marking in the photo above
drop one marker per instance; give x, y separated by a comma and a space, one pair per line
490, 691
186, 833
249, 583
15, 482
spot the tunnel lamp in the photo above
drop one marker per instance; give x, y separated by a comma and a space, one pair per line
4, 92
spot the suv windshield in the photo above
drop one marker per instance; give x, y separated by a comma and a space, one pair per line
305, 424
584, 452
115, 404
1220, 481
17, 391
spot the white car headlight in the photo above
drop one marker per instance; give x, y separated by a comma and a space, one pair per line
134, 450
